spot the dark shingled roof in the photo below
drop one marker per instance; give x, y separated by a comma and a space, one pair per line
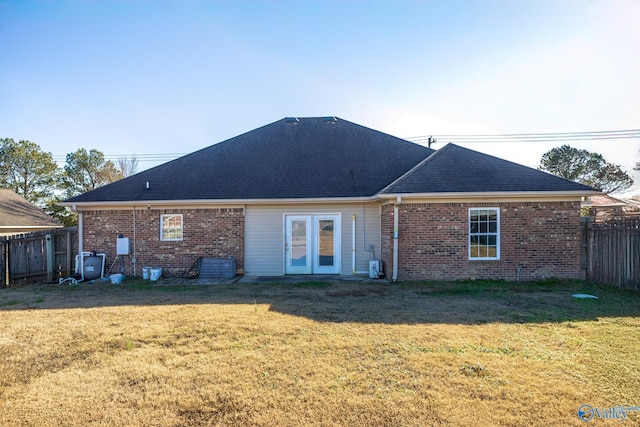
454, 169
324, 157
16, 212
291, 158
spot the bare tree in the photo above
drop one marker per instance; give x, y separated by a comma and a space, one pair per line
127, 165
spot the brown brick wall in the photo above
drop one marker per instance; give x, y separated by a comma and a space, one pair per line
542, 239
207, 233
386, 239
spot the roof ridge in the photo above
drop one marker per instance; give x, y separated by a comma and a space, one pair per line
410, 172
445, 171
317, 157
521, 165
310, 117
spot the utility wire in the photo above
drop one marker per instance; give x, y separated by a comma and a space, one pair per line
532, 137
138, 157
560, 137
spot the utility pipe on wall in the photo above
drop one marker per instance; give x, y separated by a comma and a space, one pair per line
80, 233
134, 261
394, 277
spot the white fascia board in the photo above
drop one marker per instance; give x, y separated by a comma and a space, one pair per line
489, 196
428, 197
207, 203
20, 229
40, 227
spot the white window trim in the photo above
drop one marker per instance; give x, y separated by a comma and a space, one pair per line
162, 239
497, 234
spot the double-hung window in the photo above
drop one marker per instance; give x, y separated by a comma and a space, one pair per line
484, 233
171, 227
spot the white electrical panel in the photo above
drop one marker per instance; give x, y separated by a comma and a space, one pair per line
122, 246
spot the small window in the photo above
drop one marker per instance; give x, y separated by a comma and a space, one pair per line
171, 227
484, 233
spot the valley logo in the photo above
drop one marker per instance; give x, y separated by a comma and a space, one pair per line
588, 412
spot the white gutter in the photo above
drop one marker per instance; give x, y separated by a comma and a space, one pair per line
32, 227
80, 256
134, 260
233, 202
353, 247
394, 277
537, 195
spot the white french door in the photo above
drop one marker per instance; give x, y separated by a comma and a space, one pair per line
326, 244
297, 245
312, 244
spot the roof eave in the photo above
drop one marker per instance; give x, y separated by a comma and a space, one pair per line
530, 195
209, 202
537, 195
30, 227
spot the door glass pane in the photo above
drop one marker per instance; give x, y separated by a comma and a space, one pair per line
299, 243
325, 242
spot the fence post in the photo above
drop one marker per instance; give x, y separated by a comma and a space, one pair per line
585, 250
49, 248
4, 270
69, 254
590, 250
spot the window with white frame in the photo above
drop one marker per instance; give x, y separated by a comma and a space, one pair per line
484, 233
171, 227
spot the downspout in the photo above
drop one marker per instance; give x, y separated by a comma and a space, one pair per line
80, 233
353, 247
80, 259
134, 243
394, 277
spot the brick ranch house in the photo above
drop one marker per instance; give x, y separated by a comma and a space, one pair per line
323, 195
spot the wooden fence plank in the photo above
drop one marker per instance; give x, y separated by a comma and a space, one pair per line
31, 258
4, 280
613, 252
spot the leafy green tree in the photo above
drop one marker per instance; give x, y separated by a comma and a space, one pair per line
86, 171
585, 167
27, 170
65, 215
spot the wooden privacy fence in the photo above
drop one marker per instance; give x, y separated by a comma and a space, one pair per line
611, 252
42, 256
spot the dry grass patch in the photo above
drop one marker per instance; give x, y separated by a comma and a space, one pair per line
315, 354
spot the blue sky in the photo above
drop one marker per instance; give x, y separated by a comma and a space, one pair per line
154, 77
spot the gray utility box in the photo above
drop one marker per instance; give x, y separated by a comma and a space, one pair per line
217, 268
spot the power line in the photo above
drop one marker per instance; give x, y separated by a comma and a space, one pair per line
531, 137
605, 135
140, 157
552, 133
